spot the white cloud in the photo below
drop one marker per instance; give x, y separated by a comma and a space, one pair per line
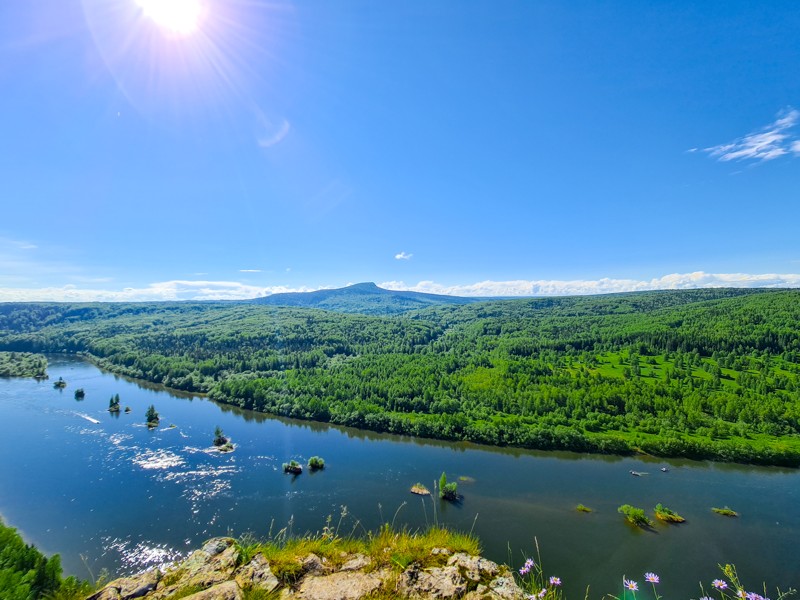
768, 143
403, 256
234, 290
249, 270
161, 291
555, 287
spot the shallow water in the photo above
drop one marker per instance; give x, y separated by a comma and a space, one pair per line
116, 495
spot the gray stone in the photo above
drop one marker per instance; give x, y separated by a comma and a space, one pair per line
224, 591
339, 586
107, 593
358, 562
257, 574
313, 565
217, 545
474, 568
128, 588
505, 588
439, 583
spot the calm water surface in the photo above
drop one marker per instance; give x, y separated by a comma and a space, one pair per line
115, 495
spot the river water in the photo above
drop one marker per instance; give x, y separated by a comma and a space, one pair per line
118, 496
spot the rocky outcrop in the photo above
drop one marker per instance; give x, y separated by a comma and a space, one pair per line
215, 572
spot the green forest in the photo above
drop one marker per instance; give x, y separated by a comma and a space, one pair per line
22, 364
697, 373
26, 574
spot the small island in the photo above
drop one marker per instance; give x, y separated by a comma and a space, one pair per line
447, 491
635, 516
725, 512
80, 394
222, 443
113, 404
293, 467
60, 384
420, 490
667, 515
583, 509
315, 463
151, 417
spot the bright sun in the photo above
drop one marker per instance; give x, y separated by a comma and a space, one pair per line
178, 16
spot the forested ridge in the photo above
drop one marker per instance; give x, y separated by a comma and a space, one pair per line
700, 373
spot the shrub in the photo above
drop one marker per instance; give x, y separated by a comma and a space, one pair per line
447, 491
635, 516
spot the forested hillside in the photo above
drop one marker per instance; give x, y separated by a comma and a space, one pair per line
26, 574
701, 373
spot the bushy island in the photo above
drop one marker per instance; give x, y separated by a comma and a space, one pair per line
385, 564
697, 373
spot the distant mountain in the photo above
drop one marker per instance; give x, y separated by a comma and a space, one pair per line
363, 298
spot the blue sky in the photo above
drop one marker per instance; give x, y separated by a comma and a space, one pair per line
477, 147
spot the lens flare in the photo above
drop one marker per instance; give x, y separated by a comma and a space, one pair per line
181, 17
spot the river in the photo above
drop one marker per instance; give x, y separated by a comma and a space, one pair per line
115, 495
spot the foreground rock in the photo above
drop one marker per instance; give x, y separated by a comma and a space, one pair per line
215, 573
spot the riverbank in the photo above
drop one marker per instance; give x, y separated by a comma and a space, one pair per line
436, 564
511, 432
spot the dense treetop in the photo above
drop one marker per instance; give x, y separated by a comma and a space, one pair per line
702, 373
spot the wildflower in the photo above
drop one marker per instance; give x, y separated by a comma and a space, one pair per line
754, 596
719, 584
741, 594
531, 597
706, 598
651, 577
543, 593
526, 568
555, 581
630, 584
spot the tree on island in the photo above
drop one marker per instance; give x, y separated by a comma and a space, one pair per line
113, 403
80, 394
152, 417
447, 491
219, 437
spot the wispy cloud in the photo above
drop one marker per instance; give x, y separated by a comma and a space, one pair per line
767, 143
555, 287
274, 135
403, 256
249, 270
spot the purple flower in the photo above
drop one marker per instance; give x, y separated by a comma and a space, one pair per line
754, 596
543, 593
719, 584
630, 584
651, 577
706, 598
555, 581
524, 571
